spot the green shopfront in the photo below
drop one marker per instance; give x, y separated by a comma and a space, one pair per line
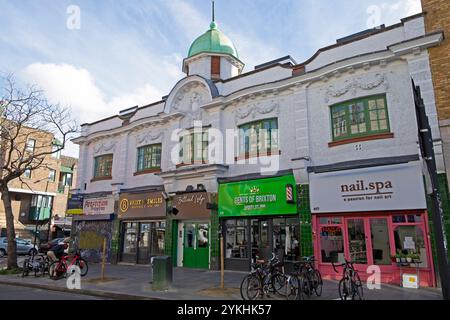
259, 217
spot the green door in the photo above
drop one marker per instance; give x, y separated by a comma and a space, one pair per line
196, 245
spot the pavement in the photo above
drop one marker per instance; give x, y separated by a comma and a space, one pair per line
23, 293
131, 282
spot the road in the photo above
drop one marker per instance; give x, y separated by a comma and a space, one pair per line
21, 293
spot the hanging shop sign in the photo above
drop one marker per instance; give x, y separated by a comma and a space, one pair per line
74, 204
97, 206
142, 205
394, 187
271, 196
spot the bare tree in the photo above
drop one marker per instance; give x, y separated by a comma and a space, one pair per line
23, 114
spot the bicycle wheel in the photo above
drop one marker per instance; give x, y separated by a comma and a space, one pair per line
250, 287
83, 265
278, 282
294, 288
26, 268
57, 270
344, 289
357, 288
318, 283
308, 285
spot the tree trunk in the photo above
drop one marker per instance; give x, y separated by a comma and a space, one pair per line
11, 233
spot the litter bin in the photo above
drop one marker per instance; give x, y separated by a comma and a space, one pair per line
162, 273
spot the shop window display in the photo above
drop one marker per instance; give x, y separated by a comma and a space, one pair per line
332, 244
286, 235
237, 239
410, 242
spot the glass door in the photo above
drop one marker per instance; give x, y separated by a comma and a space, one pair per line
196, 245
130, 237
357, 240
260, 239
379, 239
368, 241
189, 246
144, 244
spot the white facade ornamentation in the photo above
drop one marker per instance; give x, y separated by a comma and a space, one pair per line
149, 137
352, 85
254, 109
105, 147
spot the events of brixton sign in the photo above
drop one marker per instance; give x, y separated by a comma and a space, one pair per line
270, 196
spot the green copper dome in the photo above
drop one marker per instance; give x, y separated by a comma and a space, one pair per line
213, 41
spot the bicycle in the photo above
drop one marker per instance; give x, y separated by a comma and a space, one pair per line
37, 263
264, 279
59, 269
350, 284
305, 280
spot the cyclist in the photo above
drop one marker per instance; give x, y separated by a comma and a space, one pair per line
57, 251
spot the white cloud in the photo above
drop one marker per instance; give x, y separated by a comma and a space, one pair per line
390, 12
76, 88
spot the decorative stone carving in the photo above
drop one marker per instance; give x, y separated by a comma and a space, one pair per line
148, 137
255, 108
105, 147
352, 85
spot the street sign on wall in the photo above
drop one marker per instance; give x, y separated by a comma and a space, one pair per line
271, 196
394, 187
74, 204
97, 206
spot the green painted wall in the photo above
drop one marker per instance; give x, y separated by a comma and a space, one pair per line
445, 199
306, 240
215, 240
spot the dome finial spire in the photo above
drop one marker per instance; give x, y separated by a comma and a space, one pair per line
213, 24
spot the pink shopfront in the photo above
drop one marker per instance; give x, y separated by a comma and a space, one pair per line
373, 216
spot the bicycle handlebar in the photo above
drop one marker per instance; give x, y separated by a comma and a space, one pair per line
348, 264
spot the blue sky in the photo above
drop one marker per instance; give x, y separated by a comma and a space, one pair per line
128, 53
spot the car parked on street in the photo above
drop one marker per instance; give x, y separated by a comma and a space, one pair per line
23, 247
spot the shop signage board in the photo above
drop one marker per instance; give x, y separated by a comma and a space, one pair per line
394, 187
191, 205
75, 204
98, 206
270, 196
142, 205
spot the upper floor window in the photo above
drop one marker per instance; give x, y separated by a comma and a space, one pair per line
149, 157
27, 173
194, 148
52, 175
103, 166
55, 152
359, 118
258, 138
41, 201
67, 179
31, 145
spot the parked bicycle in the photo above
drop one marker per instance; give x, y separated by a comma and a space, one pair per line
266, 278
58, 269
37, 263
304, 281
350, 286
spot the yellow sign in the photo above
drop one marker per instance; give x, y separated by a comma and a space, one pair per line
74, 211
124, 205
